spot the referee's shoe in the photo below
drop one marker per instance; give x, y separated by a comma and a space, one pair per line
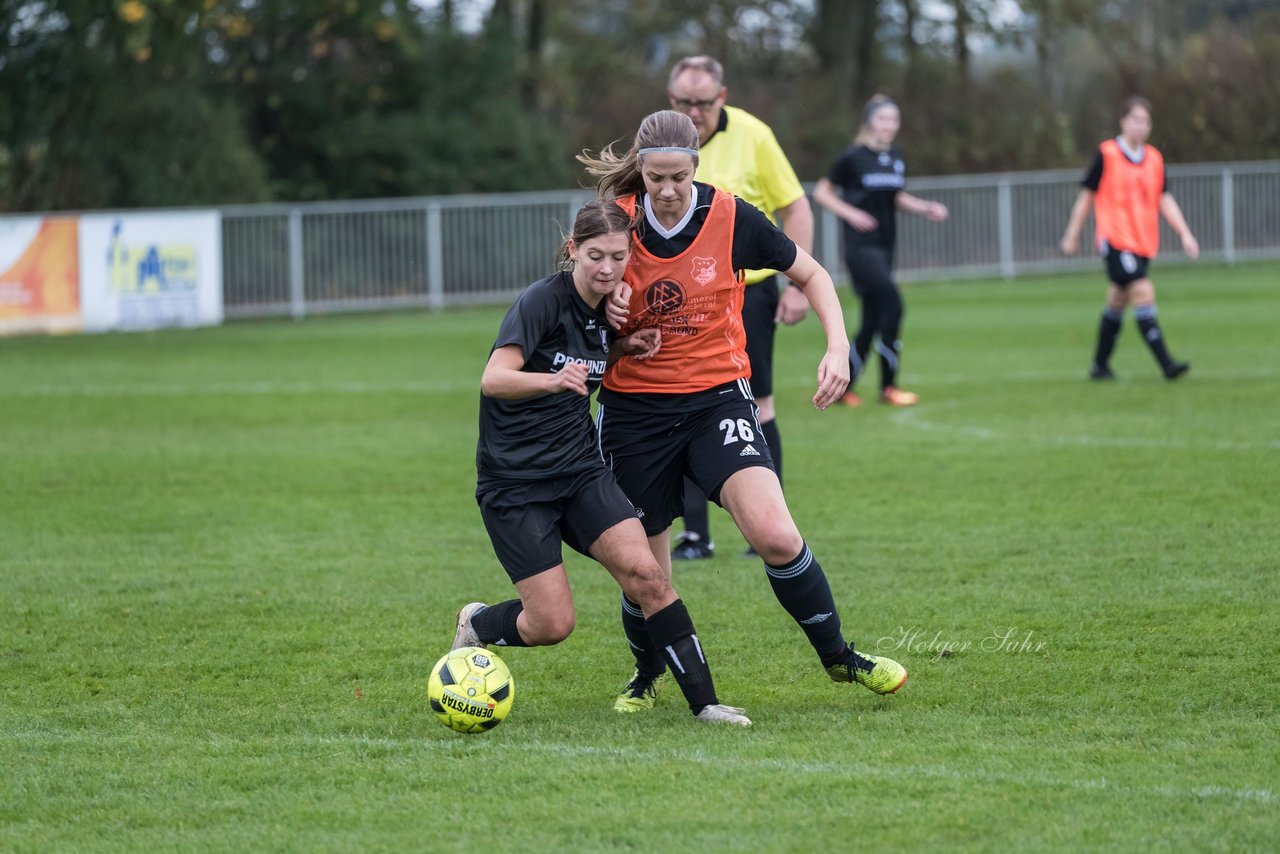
690, 546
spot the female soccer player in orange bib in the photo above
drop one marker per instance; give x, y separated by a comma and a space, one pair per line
688, 410
1126, 187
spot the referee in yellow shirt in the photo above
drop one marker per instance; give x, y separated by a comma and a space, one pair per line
739, 153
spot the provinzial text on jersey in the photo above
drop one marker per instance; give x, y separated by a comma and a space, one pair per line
594, 366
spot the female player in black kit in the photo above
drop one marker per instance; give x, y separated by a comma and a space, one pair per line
688, 410
541, 481
871, 175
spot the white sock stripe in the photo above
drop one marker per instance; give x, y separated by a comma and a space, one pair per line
633, 610
888, 353
793, 569
698, 646
675, 659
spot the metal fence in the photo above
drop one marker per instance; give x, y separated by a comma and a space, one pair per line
457, 250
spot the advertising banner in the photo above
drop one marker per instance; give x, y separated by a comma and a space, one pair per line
148, 270
39, 276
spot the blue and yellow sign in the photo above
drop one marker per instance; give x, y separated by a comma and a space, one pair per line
150, 268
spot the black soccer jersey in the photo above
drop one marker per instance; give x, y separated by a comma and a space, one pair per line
870, 180
551, 435
758, 244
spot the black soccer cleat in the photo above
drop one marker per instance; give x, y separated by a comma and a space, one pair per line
1176, 369
1101, 372
691, 546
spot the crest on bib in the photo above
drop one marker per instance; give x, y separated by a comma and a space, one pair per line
704, 270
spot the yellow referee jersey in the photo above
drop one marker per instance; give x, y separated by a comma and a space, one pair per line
744, 158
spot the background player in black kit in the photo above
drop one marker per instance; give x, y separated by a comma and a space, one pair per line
871, 175
541, 481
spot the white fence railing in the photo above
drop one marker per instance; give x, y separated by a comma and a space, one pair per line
456, 250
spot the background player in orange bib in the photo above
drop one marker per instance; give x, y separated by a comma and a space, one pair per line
689, 410
1126, 187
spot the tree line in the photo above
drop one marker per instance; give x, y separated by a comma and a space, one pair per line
195, 102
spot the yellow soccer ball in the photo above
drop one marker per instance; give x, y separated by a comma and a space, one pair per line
471, 689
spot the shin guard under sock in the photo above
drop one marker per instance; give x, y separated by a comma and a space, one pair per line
496, 624
672, 632
649, 660
1108, 330
1145, 315
801, 587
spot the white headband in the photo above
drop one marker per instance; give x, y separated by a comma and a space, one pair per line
660, 149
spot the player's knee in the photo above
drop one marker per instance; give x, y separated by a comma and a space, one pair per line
648, 587
550, 627
777, 543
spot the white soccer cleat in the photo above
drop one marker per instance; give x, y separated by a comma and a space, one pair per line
719, 714
466, 635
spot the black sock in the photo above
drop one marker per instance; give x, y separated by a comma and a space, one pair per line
695, 511
773, 439
496, 624
649, 660
672, 632
801, 587
1108, 329
1145, 315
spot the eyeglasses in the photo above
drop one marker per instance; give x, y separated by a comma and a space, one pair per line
684, 105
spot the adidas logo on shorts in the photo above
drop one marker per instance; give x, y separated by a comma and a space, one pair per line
749, 451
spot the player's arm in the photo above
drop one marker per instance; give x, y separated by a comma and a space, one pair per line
824, 193
1173, 215
1070, 243
504, 379
796, 220
935, 211
797, 223
815, 282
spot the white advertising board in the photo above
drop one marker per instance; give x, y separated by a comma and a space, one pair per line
149, 270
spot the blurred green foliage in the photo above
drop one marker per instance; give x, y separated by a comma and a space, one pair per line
195, 102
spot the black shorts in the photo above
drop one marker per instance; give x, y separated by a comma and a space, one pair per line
1124, 267
528, 520
759, 308
651, 451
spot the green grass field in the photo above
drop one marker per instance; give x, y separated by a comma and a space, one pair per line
228, 558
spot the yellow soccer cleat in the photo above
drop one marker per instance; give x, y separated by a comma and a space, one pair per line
639, 694
880, 674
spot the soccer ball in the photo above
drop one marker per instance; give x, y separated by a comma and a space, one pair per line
471, 689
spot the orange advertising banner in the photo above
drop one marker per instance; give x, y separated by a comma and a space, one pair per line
39, 275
